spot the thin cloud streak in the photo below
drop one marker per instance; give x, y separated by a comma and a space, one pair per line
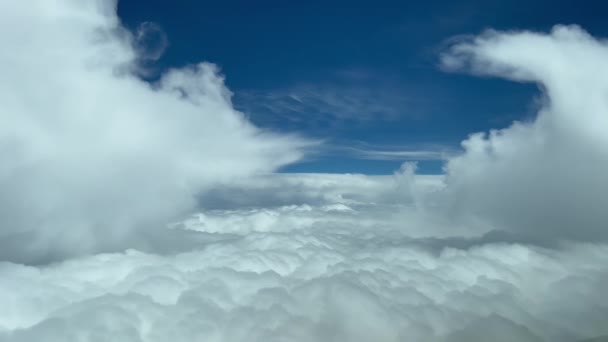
405, 155
386, 152
325, 104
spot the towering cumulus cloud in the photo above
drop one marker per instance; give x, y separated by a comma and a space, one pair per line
95, 164
543, 178
89, 153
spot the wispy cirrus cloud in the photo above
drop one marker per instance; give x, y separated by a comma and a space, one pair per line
388, 152
401, 155
326, 104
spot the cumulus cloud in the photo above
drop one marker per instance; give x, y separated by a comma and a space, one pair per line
90, 153
347, 264
95, 160
546, 177
312, 286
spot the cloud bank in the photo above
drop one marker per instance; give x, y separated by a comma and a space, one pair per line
312, 285
91, 154
95, 160
547, 177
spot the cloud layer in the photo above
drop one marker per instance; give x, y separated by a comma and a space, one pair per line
298, 273
316, 258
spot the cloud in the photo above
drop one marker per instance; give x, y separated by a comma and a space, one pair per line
150, 41
312, 284
325, 105
346, 264
91, 155
400, 154
95, 160
546, 177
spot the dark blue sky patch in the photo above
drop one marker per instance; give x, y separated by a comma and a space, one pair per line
352, 72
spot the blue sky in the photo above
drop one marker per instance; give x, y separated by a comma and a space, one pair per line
362, 76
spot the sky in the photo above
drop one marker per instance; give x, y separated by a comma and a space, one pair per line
362, 76
267, 173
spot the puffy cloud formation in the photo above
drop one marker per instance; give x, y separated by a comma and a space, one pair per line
310, 273
94, 159
346, 265
547, 177
91, 155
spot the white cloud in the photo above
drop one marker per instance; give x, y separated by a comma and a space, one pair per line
90, 153
312, 285
150, 41
548, 177
401, 154
95, 159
